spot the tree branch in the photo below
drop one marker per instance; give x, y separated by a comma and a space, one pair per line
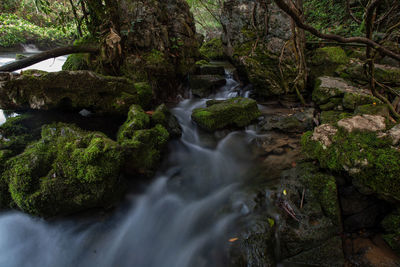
312, 30
62, 51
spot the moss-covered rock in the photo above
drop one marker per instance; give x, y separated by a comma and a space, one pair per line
213, 49
352, 100
71, 90
143, 145
204, 85
163, 116
373, 109
383, 74
391, 225
372, 162
238, 112
333, 116
326, 60
260, 67
67, 171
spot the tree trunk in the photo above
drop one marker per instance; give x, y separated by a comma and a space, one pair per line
62, 51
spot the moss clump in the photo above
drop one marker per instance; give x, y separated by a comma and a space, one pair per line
163, 116
334, 103
144, 149
237, 112
391, 225
372, 162
137, 120
76, 62
68, 170
145, 93
213, 49
372, 109
333, 116
331, 55
352, 100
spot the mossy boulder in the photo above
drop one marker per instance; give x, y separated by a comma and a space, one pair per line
260, 67
333, 116
238, 112
204, 85
299, 122
359, 147
213, 49
384, 74
338, 94
373, 109
71, 90
143, 143
163, 116
67, 171
326, 60
391, 225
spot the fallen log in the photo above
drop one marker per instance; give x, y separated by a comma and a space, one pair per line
62, 51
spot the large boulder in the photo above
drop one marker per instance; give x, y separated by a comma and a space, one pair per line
326, 60
204, 85
337, 94
143, 142
362, 147
67, 171
256, 51
238, 112
71, 90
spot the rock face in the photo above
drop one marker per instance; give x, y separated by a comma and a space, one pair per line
361, 147
68, 170
256, 50
309, 236
237, 112
71, 90
162, 45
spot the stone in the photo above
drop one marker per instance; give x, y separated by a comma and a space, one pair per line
238, 112
204, 85
394, 134
294, 123
324, 134
67, 171
209, 69
74, 90
325, 60
163, 116
364, 122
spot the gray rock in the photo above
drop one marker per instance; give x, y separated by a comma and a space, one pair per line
204, 85
294, 123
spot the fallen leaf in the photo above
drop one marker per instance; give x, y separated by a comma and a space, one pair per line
233, 239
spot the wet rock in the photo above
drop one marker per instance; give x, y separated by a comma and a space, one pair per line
238, 112
71, 90
363, 123
163, 116
143, 145
67, 171
292, 123
328, 254
204, 85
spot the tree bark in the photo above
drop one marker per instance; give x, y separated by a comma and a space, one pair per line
62, 51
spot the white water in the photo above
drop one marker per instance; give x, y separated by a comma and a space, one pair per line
180, 220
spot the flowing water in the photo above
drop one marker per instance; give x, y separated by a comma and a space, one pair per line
183, 218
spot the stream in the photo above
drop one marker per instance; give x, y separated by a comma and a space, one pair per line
183, 218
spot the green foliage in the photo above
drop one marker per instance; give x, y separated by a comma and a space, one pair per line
15, 30
213, 49
207, 15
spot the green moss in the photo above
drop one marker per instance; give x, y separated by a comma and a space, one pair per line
330, 55
369, 160
137, 120
237, 112
68, 170
372, 109
144, 149
322, 95
155, 57
332, 104
391, 225
145, 93
333, 116
351, 100
164, 117
76, 62
213, 49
